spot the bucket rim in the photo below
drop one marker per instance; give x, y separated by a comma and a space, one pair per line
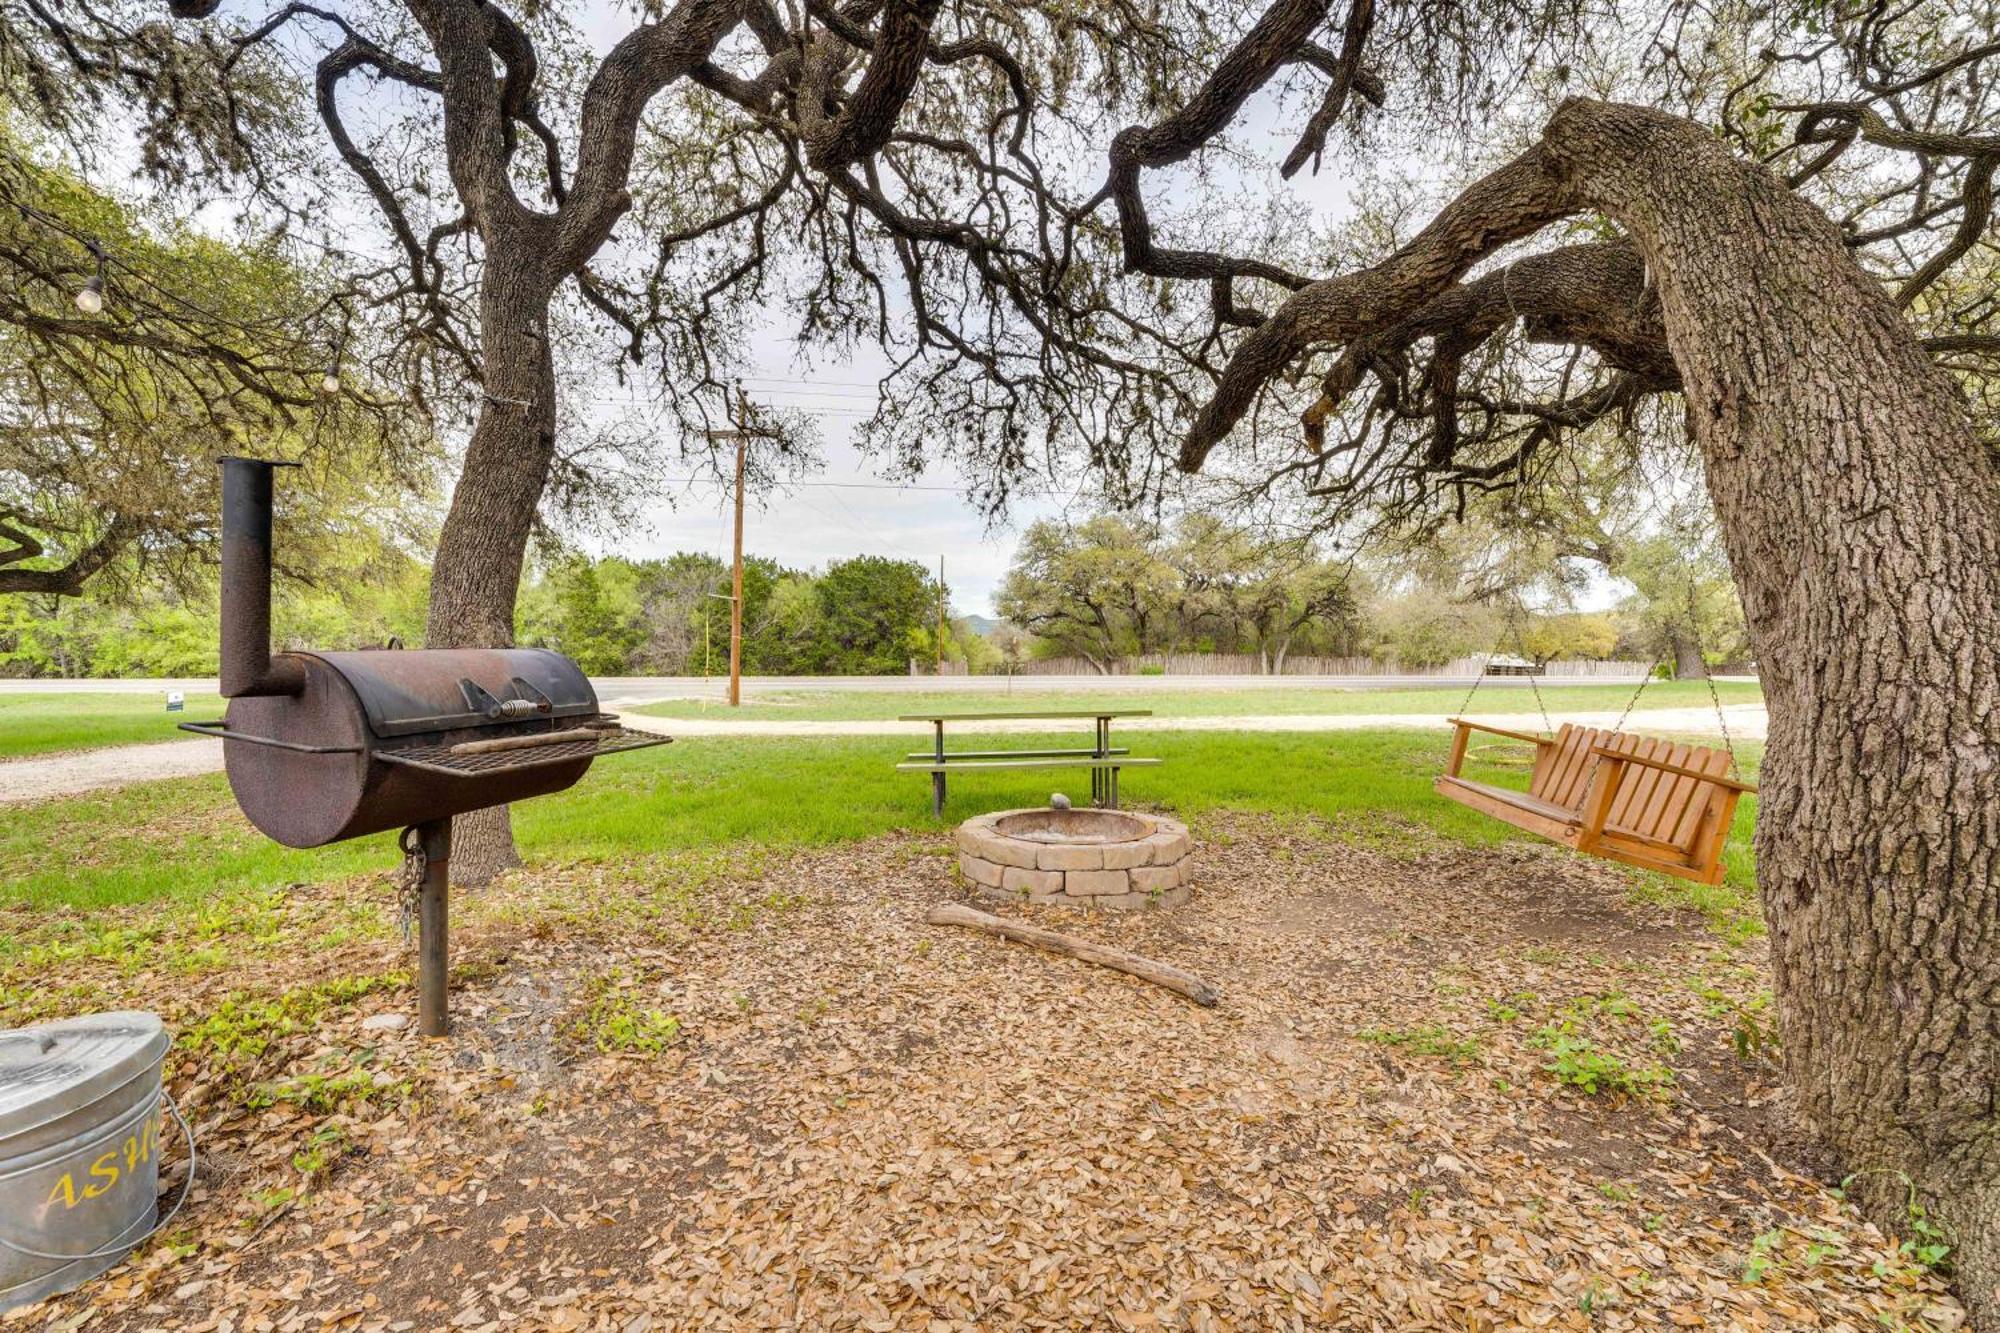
50, 1071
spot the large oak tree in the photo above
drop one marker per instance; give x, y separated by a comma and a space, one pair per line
1833, 376
879, 165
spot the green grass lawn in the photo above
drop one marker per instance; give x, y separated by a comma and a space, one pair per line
1167, 701
183, 840
45, 723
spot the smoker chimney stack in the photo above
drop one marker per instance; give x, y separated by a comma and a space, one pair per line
247, 668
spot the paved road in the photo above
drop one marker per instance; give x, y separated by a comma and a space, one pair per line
1746, 722
89, 770
627, 690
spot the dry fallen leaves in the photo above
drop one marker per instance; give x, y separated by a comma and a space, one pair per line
871, 1124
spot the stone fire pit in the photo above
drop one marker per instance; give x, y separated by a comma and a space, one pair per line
1085, 858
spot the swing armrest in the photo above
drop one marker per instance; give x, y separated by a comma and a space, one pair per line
1681, 769
1463, 723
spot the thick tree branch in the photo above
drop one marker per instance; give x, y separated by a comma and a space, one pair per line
1272, 43
1514, 201
638, 68
67, 580
1354, 40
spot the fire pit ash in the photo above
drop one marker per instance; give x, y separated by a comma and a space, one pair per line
1119, 859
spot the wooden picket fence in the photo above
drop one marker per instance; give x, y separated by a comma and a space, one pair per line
1248, 664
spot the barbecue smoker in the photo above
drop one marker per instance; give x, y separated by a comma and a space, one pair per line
322, 747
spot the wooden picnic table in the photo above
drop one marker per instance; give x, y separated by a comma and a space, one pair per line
1101, 757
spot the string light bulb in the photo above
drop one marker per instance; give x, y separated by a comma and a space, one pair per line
90, 300
329, 383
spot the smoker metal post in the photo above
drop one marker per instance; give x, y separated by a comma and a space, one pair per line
247, 668
434, 929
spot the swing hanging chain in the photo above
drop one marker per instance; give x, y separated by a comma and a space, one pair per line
1478, 674
1714, 695
1633, 702
1534, 682
1722, 724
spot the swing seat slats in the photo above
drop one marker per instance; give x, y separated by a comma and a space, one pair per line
1635, 799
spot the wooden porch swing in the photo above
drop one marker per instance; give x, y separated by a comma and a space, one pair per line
1637, 799
1606, 792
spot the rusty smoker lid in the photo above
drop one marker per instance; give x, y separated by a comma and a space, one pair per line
406, 693
53, 1069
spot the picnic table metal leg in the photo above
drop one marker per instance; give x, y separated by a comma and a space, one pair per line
1100, 787
1114, 788
937, 778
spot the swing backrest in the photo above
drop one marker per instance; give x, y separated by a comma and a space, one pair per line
1652, 805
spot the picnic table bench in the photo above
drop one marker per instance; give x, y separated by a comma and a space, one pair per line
1102, 758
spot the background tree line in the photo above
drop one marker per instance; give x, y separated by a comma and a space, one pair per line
1107, 590
867, 615
1114, 588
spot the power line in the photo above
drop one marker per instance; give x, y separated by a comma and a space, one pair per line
817, 391
879, 486
791, 379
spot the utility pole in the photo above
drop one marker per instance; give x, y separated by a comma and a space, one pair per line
736, 585
742, 436
940, 633
706, 618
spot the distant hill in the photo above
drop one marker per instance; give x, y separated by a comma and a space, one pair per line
983, 626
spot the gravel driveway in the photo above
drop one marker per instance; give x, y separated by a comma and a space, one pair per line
66, 774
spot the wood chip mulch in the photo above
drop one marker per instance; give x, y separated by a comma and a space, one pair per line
860, 1121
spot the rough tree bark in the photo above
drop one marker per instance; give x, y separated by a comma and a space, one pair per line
1689, 664
477, 574
1862, 517
528, 255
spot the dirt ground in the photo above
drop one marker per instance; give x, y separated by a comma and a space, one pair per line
855, 1120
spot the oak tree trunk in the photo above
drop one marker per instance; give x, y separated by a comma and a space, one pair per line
1860, 514
485, 537
1689, 664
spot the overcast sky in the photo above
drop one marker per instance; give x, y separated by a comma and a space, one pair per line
849, 507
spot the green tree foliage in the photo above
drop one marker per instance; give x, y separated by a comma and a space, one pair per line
202, 347
865, 616
1572, 636
1421, 629
1259, 594
157, 627
1111, 588
593, 623
1683, 605
874, 613
1100, 590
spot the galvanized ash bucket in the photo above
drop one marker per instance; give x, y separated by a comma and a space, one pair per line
82, 1128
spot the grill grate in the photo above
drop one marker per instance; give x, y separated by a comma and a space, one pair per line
448, 760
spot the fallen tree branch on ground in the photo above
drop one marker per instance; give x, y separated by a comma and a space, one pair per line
1160, 974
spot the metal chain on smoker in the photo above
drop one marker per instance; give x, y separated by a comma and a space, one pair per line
409, 880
